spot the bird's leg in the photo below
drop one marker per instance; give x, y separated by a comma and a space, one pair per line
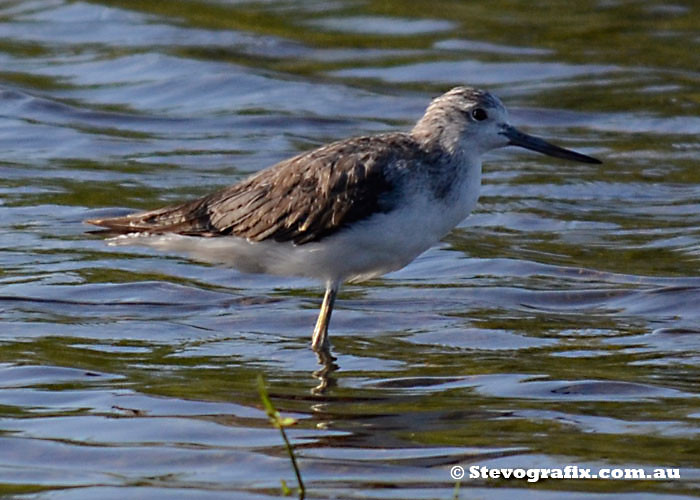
319, 339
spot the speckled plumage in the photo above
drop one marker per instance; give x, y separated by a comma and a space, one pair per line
302, 199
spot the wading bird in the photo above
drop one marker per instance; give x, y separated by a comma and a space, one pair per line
347, 211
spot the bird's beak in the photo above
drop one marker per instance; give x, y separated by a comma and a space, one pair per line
518, 138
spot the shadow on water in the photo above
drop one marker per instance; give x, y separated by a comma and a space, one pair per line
558, 325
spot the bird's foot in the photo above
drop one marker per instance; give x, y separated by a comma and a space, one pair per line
328, 366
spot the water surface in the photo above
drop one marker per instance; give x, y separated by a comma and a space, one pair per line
558, 325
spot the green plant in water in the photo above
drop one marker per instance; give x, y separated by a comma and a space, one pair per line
277, 421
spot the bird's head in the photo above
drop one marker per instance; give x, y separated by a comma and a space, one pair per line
475, 121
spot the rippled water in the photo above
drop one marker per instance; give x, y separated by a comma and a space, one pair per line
557, 325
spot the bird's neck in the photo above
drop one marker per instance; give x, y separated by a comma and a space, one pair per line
434, 132
454, 171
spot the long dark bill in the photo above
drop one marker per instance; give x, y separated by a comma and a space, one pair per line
518, 138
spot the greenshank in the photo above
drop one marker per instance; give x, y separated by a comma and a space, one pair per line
347, 211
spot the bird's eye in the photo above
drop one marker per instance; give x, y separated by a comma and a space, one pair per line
479, 114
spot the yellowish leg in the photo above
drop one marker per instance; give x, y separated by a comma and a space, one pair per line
319, 339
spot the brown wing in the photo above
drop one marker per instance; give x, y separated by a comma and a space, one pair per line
301, 199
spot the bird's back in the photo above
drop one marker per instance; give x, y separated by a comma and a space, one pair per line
302, 199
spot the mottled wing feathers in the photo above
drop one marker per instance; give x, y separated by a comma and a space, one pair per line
301, 199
